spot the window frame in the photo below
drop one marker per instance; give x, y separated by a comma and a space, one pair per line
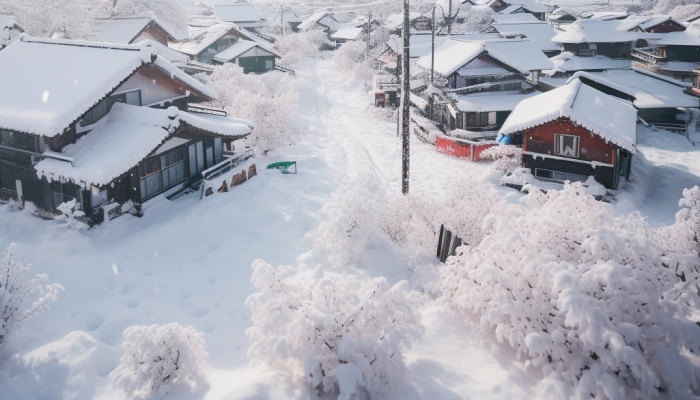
557, 144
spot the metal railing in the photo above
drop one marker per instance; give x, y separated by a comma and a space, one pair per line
649, 55
223, 167
671, 127
283, 69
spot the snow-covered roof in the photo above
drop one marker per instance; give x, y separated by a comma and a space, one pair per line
8, 21
648, 91
520, 54
604, 115
125, 137
491, 101
122, 30
420, 43
346, 33
568, 62
531, 5
313, 19
517, 18
236, 50
125, 30
237, 13
689, 37
595, 31
175, 57
54, 82
203, 37
605, 15
541, 33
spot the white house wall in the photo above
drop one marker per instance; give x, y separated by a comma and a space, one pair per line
151, 92
256, 52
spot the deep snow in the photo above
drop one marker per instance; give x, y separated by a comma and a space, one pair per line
189, 261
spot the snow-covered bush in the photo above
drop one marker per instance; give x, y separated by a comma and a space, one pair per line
73, 218
475, 20
347, 333
349, 216
158, 358
267, 100
587, 296
414, 221
682, 237
21, 298
351, 57
506, 157
294, 46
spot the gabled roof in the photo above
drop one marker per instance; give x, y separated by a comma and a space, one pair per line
395, 21
125, 137
606, 116
350, 33
236, 50
203, 37
237, 13
540, 33
520, 54
125, 30
531, 5
645, 22
491, 101
595, 31
517, 18
604, 15
647, 91
311, 21
54, 82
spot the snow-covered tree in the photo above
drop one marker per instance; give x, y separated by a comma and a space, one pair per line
349, 216
506, 157
268, 100
585, 295
73, 218
21, 298
158, 358
474, 20
347, 333
169, 12
294, 46
414, 221
63, 19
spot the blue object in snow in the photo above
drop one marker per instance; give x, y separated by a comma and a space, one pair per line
503, 139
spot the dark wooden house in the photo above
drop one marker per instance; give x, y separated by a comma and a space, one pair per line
565, 138
207, 43
589, 38
108, 125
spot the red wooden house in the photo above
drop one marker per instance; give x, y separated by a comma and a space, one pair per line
574, 132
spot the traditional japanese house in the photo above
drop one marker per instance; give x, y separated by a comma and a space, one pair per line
483, 81
418, 22
207, 42
9, 30
538, 10
591, 38
541, 33
564, 137
136, 30
108, 125
251, 56
562, 19
242, 14
660, 101
670, 48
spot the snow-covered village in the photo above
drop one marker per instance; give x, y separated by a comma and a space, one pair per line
349, 199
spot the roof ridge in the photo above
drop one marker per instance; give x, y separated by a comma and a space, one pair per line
84, 43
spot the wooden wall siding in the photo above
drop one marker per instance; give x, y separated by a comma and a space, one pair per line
255, 64
462, 148
163, 88
591, 147
154, 32
683, 53
666, 27
606, 176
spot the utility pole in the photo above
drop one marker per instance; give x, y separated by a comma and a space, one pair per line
449, 20
369, 31
432, 63
282, 19
405, 101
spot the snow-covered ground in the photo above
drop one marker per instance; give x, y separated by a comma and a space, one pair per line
189, 261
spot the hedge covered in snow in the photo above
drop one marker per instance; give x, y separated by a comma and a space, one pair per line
598, 302
347, 333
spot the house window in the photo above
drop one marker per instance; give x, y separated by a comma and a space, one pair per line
559, 176
103, 108
477, 119
161, 173
62, 192
268, 64
18, 140
566, 145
